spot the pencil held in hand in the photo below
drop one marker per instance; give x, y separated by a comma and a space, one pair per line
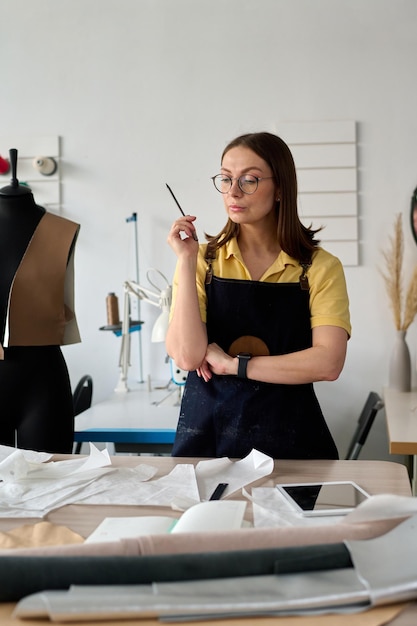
179, 206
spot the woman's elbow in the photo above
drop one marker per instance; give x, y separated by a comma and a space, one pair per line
332, 375
333, 369
186, 363
331, 344
185, 360
189, 354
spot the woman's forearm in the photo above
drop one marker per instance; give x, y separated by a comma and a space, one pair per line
186, 340
323, 361
310, 365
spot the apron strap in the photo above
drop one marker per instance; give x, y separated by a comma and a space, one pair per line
209, 258
304, 278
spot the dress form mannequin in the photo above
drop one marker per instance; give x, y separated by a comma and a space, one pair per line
19, 217
37, 410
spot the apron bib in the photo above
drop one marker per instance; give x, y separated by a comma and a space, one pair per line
229, 416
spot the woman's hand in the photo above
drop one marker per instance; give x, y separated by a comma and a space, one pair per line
218, 362
183, 236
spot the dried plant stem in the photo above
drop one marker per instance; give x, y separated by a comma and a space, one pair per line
394, 280
411, 302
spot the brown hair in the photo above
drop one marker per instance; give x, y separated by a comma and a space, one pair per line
294, 238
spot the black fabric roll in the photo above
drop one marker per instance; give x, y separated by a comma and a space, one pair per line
24, 575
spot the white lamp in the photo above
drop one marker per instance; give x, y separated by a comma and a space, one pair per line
159, 330
160, 298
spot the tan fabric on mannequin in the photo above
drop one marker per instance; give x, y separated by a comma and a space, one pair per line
37, 313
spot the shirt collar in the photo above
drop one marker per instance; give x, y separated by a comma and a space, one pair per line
232, 249
282, 260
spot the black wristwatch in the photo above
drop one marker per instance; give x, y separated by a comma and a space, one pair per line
243, 358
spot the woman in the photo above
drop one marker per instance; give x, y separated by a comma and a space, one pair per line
259, 314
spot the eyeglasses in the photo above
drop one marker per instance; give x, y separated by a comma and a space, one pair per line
247, 183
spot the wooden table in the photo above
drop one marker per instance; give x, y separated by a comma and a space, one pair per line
401, 417
375, 617
374, 476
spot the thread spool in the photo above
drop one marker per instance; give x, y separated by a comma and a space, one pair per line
45, 165
4, 165
112, 306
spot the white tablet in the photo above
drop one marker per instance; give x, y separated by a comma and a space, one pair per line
324, 498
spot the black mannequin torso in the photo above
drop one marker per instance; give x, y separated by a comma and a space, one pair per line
34, 380
19, 217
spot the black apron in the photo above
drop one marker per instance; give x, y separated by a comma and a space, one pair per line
229, 416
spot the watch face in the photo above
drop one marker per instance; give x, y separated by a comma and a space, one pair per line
244, 355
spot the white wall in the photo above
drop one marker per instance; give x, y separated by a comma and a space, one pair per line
144, 92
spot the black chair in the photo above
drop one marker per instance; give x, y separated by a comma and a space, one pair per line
373, 404
81, 398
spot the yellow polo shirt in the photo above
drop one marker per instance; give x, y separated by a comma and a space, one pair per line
329, 302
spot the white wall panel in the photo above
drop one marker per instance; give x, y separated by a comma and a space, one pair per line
327, 180
317, 132
47, 145
310, 204
325, 156
335, 228
346, 251
46, 193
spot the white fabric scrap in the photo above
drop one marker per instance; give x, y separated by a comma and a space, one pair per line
237, 474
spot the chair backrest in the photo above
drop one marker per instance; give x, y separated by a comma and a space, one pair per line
83, 394
372, 405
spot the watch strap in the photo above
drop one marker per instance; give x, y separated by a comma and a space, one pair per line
243, 360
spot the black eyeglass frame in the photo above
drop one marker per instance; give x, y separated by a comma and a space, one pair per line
249, 193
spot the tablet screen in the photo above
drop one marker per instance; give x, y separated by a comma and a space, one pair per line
324, 498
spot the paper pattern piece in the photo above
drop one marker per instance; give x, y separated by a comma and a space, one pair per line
270, 509
123, 487
237, 474
30, 455
31, 487
16, 463
203, 517
116, 528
